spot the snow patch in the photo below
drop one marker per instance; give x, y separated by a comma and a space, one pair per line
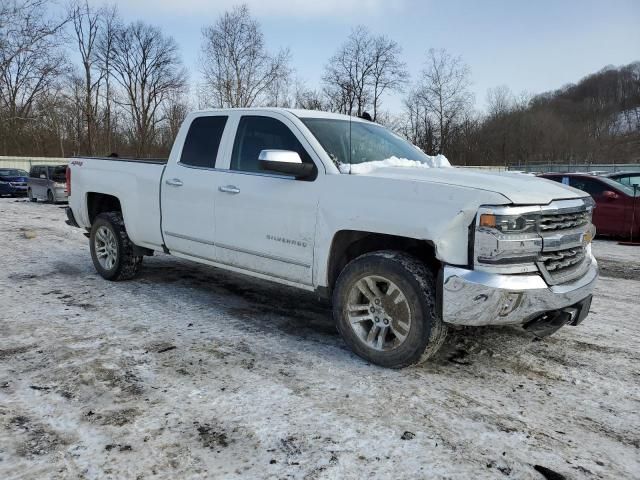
438, 161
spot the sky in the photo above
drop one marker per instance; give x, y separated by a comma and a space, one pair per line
531, 46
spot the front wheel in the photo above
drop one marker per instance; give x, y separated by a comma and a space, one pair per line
50, 197
384, 304
111, 248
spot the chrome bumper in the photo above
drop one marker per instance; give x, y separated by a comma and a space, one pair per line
471, 297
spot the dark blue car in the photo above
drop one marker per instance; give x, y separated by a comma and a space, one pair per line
13, 182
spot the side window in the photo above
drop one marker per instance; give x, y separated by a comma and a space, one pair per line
592, 187
202, 141
33, 172
262, 133
630, 181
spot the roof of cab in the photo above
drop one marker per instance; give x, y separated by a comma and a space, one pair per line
298, 112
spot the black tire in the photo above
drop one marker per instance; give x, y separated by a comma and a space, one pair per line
127, 264
427, 331
30, 195
50, 197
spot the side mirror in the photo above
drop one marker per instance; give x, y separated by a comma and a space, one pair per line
609, 195
284, 161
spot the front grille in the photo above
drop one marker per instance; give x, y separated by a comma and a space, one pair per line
564, 221
564, 255
18, 184
562, 259
563, 265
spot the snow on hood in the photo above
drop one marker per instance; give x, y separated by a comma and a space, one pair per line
439, 161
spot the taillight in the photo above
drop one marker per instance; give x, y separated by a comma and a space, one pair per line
68, 178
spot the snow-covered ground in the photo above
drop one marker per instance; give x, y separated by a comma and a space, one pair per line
191, 372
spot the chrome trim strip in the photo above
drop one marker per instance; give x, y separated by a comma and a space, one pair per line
187, 237
260, 272
240, 250
264, 255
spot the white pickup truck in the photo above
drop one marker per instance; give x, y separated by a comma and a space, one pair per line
342, 206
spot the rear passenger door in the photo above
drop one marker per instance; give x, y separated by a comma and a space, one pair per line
188, 189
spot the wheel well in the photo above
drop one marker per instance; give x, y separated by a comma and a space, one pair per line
350, 244
101, 202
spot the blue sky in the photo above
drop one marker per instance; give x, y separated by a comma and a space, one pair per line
531, 46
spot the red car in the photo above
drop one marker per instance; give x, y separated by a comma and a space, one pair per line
613, 215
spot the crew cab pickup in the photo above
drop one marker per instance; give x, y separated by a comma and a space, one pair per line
403, 244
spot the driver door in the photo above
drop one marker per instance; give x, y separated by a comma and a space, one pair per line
265, 222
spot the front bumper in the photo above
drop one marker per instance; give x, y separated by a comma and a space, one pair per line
471, 297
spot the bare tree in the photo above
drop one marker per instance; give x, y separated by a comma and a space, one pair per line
146, 64
361, 71
237, 68
444, 90
348, 73
104, 51
308, 99
86, 24
500, 100
31, 62
175, 111
389, 72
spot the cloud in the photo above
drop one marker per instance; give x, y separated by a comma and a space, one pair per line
263, 8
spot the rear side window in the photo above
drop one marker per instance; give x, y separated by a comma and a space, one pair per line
592, 187
262, 133
35, 172
630, 181
203, 141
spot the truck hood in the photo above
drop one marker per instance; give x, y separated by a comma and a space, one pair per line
519, 188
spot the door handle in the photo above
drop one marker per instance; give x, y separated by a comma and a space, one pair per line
229, 189
174, 182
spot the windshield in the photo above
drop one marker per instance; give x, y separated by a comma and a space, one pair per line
355, 143
13, 173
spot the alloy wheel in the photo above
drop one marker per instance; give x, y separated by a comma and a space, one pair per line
378, 313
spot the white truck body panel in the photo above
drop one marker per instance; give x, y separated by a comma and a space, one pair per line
280, 228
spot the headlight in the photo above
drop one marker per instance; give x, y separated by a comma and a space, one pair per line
509, 223
507, 242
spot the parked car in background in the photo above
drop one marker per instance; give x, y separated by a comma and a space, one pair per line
626, 178
48, 183
613, 215
13, 182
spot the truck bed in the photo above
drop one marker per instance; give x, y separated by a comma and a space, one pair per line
135, 182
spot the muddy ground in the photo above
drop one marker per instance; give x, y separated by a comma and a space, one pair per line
191, 372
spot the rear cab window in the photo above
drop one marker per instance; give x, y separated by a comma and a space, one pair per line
202, 142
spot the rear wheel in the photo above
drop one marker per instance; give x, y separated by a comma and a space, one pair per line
384, 306
111, 248
30, 195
